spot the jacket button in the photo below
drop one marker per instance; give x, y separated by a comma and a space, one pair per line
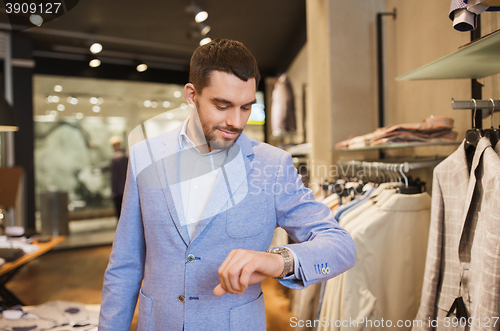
180, 298
190, 258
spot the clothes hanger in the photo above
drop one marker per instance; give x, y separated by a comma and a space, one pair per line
492, 133
410, 187
473, 135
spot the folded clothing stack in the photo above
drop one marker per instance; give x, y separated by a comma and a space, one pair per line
434, 129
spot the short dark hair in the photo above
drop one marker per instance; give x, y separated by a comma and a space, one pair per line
225, 55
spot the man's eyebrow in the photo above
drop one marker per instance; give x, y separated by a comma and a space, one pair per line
230, 103
222, 101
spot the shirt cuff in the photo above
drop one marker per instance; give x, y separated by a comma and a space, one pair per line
296, 274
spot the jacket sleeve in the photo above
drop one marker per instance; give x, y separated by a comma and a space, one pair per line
433, 261
125, 270
323, 249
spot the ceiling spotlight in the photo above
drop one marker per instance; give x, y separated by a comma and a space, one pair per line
61, 107
201, 16
36, 19
96, 109
100, 101
142, 67
72, 100
58, 88
204, 29
53, 113
170, 115
177, 94
166, 104
93, 100
205, 41
95, 63
79, 116
96, 48
147, 103
154, 104
55, 99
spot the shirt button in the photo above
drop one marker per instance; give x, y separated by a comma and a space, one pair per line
190, 258
180, 298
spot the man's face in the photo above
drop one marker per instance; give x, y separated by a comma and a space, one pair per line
224, 107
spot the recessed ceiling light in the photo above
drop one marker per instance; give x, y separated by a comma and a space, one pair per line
96, 48
147, 103
96, 109
58, 88
36, 19
166, 104
79, 116
142, 67
170, 116
95, 63
177, 94
55, 99
154, 104
53, 113
93, 100
61, 107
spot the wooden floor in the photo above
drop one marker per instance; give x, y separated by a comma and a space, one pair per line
77, 275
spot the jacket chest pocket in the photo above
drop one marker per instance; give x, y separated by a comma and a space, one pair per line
248, 217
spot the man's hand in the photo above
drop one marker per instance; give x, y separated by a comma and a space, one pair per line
244, 267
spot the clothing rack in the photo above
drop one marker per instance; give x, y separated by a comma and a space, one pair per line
391, 166
480, 104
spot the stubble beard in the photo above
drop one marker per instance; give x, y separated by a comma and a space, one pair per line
211, 133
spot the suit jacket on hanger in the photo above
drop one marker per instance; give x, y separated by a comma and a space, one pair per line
463, 253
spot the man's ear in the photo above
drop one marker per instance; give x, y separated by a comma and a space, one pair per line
190, 95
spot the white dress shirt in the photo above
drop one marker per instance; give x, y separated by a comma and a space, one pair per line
198, 176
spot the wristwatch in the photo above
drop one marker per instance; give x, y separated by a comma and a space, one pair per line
285, 253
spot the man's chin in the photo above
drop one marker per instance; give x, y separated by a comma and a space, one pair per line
222, 144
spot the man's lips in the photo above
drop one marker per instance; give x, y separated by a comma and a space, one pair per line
228, 134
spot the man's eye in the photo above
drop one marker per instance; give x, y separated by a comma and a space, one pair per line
221, 107
246, 108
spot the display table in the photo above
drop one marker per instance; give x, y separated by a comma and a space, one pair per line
9, 269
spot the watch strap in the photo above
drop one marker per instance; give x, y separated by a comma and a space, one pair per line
285, 253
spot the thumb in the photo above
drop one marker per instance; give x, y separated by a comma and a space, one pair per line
219, 291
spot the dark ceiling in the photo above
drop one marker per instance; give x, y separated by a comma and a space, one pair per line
157, 31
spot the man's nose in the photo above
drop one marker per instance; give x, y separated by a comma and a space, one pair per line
233, 118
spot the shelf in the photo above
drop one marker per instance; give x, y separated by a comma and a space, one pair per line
476, 60
397, 145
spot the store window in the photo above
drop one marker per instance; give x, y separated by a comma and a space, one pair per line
75, 118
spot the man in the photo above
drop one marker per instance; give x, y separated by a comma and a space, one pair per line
118, 169
200, 207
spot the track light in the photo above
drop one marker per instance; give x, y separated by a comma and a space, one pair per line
204, 29
205, 41
199, 14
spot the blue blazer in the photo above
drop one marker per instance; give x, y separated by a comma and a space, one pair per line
154, 260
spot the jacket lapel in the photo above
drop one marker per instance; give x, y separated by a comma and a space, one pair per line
168, 170
231, 185
481, 146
